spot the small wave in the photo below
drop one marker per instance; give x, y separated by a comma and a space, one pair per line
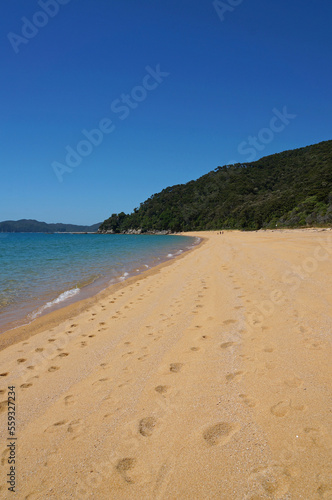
146, 265
170, 255
63, 296
124, 276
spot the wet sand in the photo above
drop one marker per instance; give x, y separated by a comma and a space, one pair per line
208, 377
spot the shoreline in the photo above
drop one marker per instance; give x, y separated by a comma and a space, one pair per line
51, 318
209, 376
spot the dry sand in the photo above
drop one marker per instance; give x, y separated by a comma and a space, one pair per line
209, 378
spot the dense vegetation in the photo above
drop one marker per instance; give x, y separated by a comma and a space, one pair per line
34, 226
288, 189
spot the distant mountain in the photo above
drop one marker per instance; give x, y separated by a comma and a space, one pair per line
288, 189
34, 226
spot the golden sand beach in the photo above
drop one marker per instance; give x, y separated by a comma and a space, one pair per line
206, 378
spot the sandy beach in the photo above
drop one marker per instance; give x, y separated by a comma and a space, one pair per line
208, 377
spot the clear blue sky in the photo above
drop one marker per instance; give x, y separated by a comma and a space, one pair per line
227, 73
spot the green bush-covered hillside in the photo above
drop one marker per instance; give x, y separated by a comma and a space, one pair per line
288, 189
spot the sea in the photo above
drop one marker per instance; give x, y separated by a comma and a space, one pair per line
43, 272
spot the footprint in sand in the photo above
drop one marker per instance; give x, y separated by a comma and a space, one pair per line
175, 367
269, 365
314, 344
4, 374
69, 400
234, 376
225, 345
100, 380
220, 433
229, 321
53, 369
126, 354
3, 406
318, 436
54, 427
74, 426
247, 400
25, 386
123, 466
162, 389
141, 358
324, 489
63, 355
4, 456
146, 426
21, 360
195, 349
294, 382
280, 409
273, 481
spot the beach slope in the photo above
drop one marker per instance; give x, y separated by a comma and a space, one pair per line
210, 377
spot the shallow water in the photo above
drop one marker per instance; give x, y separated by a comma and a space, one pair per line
41, 272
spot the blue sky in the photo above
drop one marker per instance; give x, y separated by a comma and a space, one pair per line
229, 70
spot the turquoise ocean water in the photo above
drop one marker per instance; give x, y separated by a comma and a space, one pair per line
42, 272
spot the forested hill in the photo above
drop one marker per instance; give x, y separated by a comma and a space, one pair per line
34, 226
288, 189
